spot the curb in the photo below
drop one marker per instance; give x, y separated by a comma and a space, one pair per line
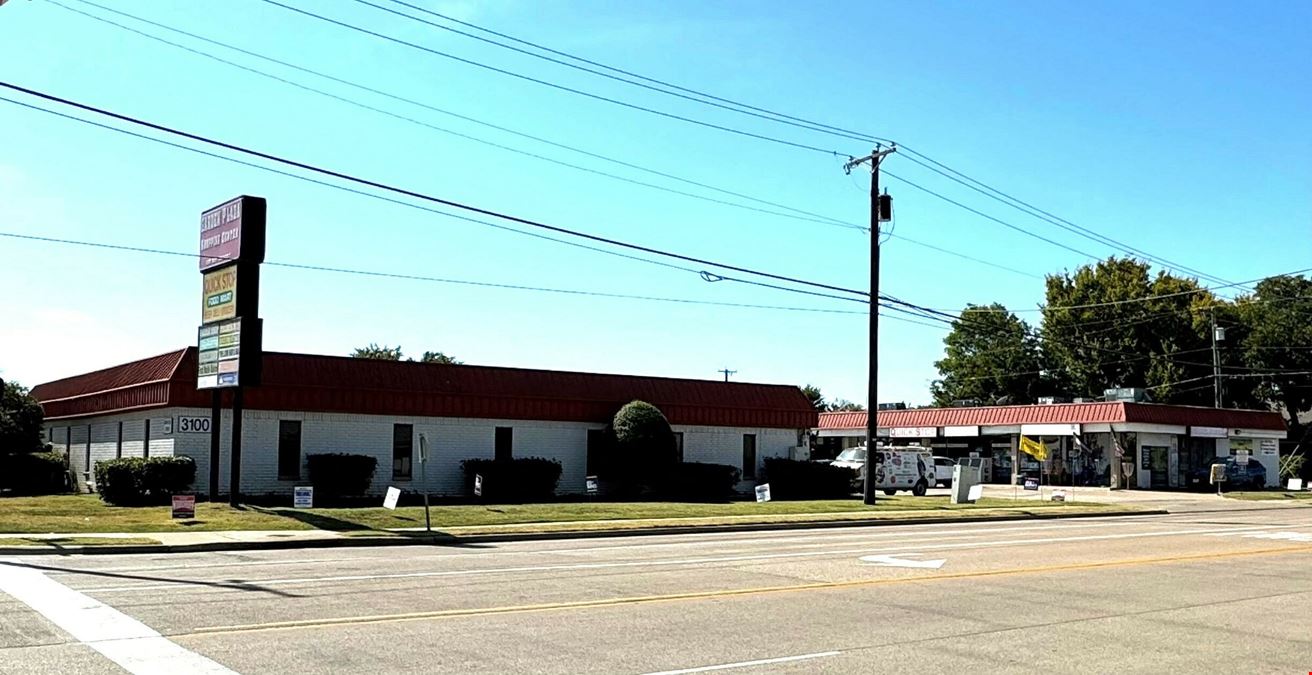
475, 539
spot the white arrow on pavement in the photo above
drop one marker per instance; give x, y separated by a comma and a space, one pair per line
894, 561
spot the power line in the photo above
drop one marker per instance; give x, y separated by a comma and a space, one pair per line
802, 214
735, 106
553, 85
354, 191
1160, 296
990, 217
798, 214
963, 256
425, 197
441, 280
1047, 217
698, 97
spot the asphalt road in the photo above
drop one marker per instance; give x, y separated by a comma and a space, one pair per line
1222, 591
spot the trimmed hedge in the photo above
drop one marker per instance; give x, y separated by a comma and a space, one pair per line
527, 479
340, 474
793, 479
700, 482
34, 473
134, 481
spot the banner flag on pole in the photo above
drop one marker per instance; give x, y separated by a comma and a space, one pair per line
1033, 448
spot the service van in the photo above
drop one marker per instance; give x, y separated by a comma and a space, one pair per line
896, 468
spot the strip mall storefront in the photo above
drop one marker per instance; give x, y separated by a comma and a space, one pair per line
1117, 444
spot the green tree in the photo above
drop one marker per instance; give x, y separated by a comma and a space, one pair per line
21, 419
812, 392
380, 352
990, 355
844, 405
387, 353
1114, 324
1276, 340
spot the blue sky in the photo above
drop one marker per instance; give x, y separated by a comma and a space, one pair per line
1178, 128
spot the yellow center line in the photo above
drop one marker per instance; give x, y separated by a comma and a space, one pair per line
706, 595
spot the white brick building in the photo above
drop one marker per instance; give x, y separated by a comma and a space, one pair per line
317, 404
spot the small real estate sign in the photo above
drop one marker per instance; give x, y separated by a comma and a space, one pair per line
478, 485
184, 506
591, 484
763, 492
303, 497
393, 496
1031, 484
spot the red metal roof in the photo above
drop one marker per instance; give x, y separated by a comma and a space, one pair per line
1062, 413
342, 384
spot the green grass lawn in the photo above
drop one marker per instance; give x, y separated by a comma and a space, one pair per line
87, 514
1269, 495
509, 514
61, 542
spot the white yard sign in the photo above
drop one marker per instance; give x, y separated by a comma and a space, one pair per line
393, 496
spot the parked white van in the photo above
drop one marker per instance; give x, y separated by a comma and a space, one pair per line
896, 468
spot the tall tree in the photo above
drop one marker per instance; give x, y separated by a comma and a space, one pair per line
380, 352
1113, 324
817, 399
990, 355
844, 405
21, 418
387, 353
1278, 340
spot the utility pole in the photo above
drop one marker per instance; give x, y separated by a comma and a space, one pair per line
1218, 334
877, 215
727, 373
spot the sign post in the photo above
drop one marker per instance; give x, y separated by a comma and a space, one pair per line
230, 337
423, 479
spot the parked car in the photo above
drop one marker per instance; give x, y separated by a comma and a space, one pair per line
943, 467
1251, 477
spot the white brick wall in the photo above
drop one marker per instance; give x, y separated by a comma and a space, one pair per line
134, 438
104, 439
450, 441
724, 445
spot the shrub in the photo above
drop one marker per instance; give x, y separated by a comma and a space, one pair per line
641, 430
793, 479
34, 473
696, 481
340, 474
134, 481
639, 452
529, 479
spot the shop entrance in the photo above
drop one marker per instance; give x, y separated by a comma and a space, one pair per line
1158, 464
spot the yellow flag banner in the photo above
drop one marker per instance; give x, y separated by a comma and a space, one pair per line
1033, 448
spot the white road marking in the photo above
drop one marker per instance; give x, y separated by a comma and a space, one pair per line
663, 563
748, 664
894, 561
134, 646
206, 565
1279, 536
